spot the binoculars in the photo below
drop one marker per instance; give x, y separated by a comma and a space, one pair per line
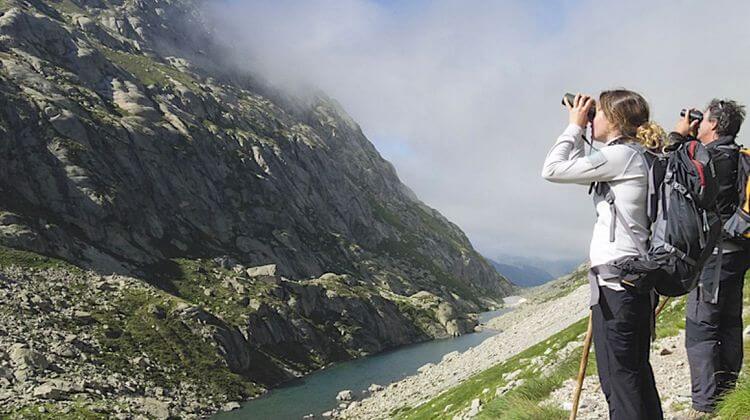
571, 98
694, 115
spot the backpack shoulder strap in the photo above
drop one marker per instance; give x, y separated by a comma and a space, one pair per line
730, 147
655, 175
609, 197
604, 190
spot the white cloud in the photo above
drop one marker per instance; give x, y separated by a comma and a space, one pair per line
472, 89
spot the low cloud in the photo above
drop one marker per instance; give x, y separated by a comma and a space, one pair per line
463, 97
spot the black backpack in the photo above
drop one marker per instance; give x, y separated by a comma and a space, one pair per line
737, 227
685, 223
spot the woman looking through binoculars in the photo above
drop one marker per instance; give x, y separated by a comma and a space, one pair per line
622, 316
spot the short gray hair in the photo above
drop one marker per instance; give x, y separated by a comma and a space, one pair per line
728, 114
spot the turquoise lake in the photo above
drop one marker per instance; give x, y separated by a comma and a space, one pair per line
316, 393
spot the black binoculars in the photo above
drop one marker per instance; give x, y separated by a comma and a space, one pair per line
694, 115
571, 99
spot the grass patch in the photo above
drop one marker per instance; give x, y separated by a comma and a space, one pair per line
384, 215
49, 411
521, 400
197, 276
736, 405
520, 407
16, 257
148, 70
672, 318
67, 7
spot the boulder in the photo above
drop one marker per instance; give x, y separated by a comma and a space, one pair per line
6, 377
83, 317
232, 405
52, 391
375, 388
65, 350
476, 407
155, 408
263, 270
23, 356
345, 395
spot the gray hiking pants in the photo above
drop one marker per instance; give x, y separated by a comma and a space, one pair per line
713, 331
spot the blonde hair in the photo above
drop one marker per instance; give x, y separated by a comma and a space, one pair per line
629, 113
651, 136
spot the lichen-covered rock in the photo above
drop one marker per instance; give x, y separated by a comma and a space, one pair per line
264, 270
23, 357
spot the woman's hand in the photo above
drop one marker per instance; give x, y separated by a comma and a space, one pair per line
579, 109
685, 126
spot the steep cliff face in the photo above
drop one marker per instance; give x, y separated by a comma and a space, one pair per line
127, 146
117, 156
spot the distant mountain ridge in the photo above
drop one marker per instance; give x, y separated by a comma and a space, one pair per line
522, 275
528, 272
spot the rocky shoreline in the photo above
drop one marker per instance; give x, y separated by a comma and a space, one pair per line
528, 324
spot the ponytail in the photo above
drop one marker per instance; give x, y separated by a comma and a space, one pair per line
651, 136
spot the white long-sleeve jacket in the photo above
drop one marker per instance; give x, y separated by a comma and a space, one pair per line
627, 174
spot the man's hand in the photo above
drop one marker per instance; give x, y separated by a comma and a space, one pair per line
685, 127
579, 110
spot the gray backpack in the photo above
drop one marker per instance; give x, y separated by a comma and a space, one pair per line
685, 224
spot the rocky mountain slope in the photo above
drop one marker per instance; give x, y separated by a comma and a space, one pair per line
264, 226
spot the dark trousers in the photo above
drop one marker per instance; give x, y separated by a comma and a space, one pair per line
713, 331
622, 338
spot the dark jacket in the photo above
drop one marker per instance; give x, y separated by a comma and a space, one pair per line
725, 154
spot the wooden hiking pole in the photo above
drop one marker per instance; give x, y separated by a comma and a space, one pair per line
661, 307
585, 360
582, 370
